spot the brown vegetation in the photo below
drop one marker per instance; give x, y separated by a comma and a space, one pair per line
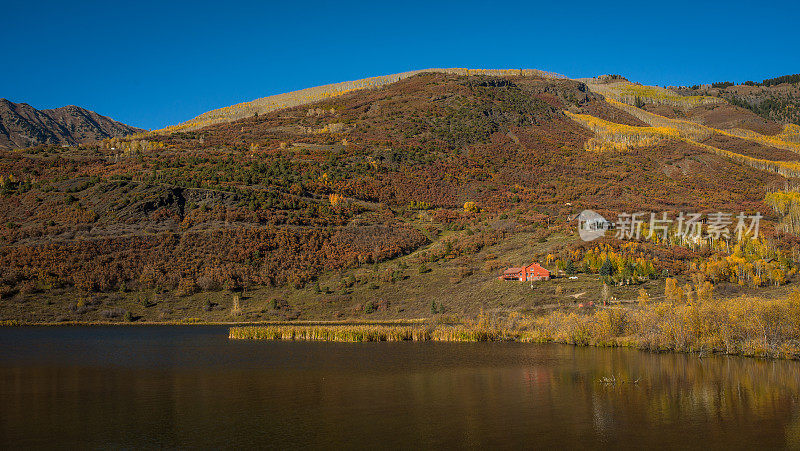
298, 195
744, 326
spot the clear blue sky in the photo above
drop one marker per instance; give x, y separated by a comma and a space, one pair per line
152, 64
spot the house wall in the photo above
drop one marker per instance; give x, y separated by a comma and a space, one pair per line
534, 273
530, 273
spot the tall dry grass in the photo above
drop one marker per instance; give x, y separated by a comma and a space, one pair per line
348, 333
366, 333
741, 326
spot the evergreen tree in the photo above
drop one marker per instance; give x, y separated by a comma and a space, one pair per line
570, 268
607, 270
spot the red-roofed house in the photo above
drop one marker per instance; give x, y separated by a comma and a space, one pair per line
528, 273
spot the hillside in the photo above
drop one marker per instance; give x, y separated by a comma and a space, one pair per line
776, 99
393, 201
21, 125
318, 93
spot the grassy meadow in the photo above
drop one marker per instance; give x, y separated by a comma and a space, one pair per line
398, 289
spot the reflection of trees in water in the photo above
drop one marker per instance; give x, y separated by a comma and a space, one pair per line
632, 390
444, 395
793, 432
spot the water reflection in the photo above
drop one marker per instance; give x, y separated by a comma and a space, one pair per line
191, 387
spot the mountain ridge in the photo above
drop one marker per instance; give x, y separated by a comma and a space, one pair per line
22, 125
315, 94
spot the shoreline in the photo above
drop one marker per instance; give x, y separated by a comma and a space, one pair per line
460, 334
737, 327
743, 326
403, 322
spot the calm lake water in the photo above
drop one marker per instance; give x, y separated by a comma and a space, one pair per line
190, 387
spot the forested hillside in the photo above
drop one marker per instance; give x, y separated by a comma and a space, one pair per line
776, 99
425, 186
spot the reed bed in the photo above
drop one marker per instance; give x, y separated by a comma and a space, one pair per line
365, 333
768, 328
354, 333
741, 326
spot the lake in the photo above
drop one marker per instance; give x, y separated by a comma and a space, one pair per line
191, 387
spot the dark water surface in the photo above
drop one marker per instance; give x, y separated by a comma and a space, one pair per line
190, 387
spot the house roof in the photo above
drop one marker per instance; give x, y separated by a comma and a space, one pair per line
533, 267
536, 267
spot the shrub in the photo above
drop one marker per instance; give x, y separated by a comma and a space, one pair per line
470, 207
236, 308
114, 313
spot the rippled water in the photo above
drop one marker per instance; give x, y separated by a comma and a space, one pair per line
192, 387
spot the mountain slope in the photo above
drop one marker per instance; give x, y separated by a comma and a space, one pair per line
22, 125
776, 99
399, 196
318, 93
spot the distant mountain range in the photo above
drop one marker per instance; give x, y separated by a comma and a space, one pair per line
22, 125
